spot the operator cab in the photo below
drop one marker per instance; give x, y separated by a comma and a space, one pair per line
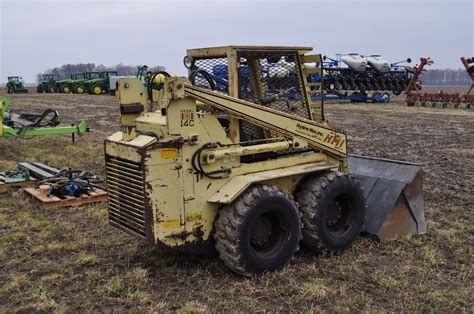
270, 76
108, 74
78, 76
92, 75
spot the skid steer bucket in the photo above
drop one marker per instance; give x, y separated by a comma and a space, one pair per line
393, 190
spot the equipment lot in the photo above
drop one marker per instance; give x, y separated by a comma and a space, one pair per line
70, 259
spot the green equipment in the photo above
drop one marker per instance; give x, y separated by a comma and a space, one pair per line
65, 86
239, 157
80, 86
26, 125
97, 86
15, 85
15, 176
48, 84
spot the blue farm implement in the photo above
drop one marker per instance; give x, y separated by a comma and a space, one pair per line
360, 78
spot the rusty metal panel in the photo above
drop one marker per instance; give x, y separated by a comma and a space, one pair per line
394, 195
126, 197
238, 184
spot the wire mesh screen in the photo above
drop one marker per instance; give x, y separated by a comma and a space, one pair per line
271, 79
219, 71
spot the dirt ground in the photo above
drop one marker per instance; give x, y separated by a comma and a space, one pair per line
71, 260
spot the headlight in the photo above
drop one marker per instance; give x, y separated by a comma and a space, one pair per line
188, 62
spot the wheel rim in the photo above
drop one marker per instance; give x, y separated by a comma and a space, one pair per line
268, 235
66, 89
339, 216
97, 90
79, 90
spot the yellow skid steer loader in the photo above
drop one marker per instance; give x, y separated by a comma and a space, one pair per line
238, 156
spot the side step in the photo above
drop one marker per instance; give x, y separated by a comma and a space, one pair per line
394, 194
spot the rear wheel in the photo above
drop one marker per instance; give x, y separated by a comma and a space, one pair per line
39, 88
66, 89
97, 89
333, 208
79, 89
258, 232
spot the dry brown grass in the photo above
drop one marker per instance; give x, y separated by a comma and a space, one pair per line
70, 259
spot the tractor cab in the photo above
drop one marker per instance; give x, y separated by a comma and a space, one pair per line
14, 79
107, 74
92, 75
78, 76
49, 77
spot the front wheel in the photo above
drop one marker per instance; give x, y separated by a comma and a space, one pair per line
333, 208
259, 231
39, 89
66, 89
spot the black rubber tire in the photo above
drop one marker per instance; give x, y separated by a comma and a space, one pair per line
39, 89
236, 236
316, 196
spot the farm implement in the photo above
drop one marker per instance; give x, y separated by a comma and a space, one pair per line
243, 162
27, 125
439, 99
15, 85
362, 79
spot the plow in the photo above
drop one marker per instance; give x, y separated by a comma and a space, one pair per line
442, 99
252, 170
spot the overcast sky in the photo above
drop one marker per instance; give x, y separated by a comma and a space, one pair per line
36, 35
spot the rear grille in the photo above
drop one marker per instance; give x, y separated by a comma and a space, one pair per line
126, 195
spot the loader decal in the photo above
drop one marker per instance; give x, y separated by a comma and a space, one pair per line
334, 139
187, 117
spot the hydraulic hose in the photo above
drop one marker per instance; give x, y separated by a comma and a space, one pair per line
150, 81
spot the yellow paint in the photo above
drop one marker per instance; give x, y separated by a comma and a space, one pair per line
167, 153
97, 90
171, 224
193, 216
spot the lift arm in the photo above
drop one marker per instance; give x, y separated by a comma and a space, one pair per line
315, 134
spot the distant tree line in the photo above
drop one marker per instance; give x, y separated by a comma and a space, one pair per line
65, 71
445, 77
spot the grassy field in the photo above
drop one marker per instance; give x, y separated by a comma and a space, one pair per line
70, 259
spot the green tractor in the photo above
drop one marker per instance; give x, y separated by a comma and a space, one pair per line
100, 85
65, 86
15, 85
81, 86
48, 84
